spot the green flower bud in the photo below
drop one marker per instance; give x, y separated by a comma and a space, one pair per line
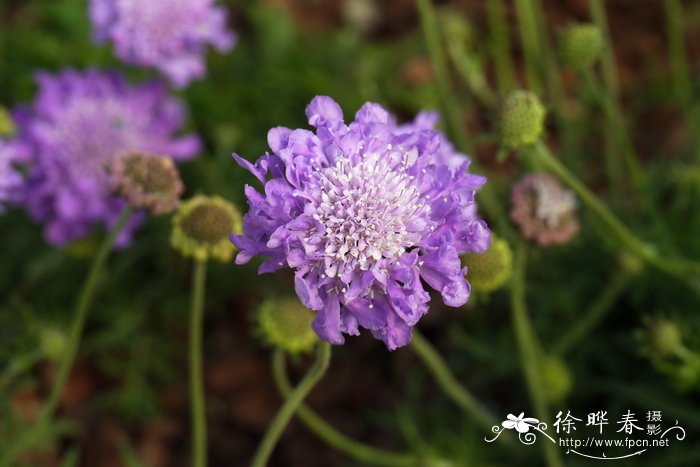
521, 119
664, 337
286, 324
581, 46
556, 377
7, 125
201, 228
490, 270
631, 264
53, 342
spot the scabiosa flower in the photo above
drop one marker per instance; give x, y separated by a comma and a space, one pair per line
171, 36
147, 181
79, 123
544, 210
363, 212
11, 182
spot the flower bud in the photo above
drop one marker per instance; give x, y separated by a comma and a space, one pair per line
490, 270
147, 181
664, 337
53, 342
522, 116
556, 377
581, 46
7, 125
201, 228
286, 324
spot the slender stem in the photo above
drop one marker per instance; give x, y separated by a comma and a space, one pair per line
290, 406
529, 350
617, 132
83, 304
682, 85
437, 366
500, 45
325, 431
688, 271
437, 56
529, 36
198, 407
600, 19
593, 316
487, 197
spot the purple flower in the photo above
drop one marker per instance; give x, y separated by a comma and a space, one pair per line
11, 183
169, 35
365, 214
77, 125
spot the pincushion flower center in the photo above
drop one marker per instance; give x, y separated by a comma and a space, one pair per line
93, 133
553, 203
371, 209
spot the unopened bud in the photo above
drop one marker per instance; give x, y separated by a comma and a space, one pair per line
521, 119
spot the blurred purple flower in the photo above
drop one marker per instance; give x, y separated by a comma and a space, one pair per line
362, 213
78, 123
170, 35
11, 183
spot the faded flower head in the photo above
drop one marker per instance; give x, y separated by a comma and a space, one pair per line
201, 228
286, 324
147, 181
171, 36
78, 124
11, 181
522, 117
544, 210
363, 212
581, 45
490, 270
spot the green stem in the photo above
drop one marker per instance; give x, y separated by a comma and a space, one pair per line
487, 197
439, 60
600, 19
529, 350
500, 46
290, 406
530, 38
449, 383
686, 270
617, 133
593, 316
197, 393
682, 85
85, 299
355, 449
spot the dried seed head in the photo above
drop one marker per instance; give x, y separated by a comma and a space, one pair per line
521, 119
147, 181
544, 210
201, 228
286, 324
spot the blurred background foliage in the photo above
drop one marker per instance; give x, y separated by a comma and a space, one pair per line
126, 403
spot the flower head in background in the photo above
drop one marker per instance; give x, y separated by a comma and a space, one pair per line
170, 35
201, 228
544, 210
147, 181
364, 213
77, 126
284, 323
11, 181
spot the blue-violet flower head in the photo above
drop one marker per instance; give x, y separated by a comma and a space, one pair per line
78, 124
169, 35
11, 180
364, 213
